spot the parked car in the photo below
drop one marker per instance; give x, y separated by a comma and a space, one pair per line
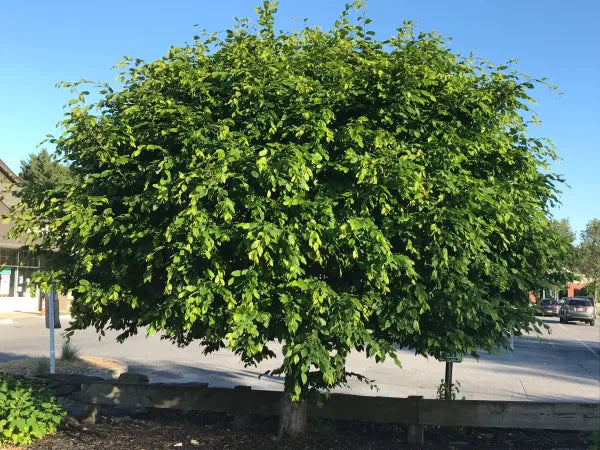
577, 309
549, 307
587, 297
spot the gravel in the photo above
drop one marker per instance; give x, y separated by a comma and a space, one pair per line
87, 365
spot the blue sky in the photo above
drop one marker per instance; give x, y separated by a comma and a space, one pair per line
42, 43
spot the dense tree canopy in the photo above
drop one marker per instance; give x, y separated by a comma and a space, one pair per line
565, 255
589, 254
319, 187
41, 173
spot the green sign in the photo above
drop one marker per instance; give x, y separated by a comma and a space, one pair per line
6, 272
451, 357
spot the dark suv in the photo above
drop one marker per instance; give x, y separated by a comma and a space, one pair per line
549, 307
578, 309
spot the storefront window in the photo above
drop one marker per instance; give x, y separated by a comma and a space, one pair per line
24, 282
7, 282
28, 259
16, 272
9, 257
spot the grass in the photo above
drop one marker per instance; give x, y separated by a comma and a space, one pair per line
69, 351
42, 367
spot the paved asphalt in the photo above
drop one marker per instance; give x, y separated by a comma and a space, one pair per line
562, 366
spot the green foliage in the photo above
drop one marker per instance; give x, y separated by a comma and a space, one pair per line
563, 229
27, 412
589, 254
588, 289
40, 174
317, 187
563, 253
445, 392
69, 351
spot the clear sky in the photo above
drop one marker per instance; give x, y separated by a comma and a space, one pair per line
44, 42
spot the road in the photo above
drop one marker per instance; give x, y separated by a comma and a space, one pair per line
562, 366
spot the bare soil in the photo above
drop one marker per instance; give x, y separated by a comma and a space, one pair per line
162, 429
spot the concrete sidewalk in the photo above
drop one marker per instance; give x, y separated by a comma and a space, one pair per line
10, 317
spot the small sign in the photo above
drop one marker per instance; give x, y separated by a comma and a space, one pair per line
5, 282
451, 357
52, 297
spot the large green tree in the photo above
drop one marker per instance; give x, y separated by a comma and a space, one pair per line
41, 173
321, 188
589, 254
43, 179
565, 255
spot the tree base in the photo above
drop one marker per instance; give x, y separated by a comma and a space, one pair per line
293, 418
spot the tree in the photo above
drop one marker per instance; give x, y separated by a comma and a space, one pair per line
319, 188
40, 174
43, 178
566, 259
589, 254
563, 230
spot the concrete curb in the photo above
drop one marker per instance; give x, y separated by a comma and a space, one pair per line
5, 321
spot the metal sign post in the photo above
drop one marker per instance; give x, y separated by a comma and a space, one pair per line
448, 380
50, 308
450, 359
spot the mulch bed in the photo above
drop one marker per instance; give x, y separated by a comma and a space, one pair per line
88, 365
162, 429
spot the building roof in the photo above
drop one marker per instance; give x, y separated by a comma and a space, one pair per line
7, 177
9, 174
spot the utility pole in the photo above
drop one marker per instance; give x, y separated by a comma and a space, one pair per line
50, 309
52, 322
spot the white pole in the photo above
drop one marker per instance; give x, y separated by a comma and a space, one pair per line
50, 307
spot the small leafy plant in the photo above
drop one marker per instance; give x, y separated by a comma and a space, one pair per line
454, 390
27, 412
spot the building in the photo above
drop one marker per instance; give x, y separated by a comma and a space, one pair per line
575, 288
17, 265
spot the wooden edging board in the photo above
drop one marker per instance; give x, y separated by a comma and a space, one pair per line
406, 411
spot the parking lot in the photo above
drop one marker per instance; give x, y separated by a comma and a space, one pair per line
562, 366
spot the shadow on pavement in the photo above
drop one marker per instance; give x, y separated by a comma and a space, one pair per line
577, 361
169, 372
5, 357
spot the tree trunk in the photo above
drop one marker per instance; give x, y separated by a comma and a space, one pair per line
292, 418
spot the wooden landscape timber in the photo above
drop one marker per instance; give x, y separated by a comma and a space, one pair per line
415, 412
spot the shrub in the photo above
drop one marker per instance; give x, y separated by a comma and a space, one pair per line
27, 412
454, 390
69, 351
